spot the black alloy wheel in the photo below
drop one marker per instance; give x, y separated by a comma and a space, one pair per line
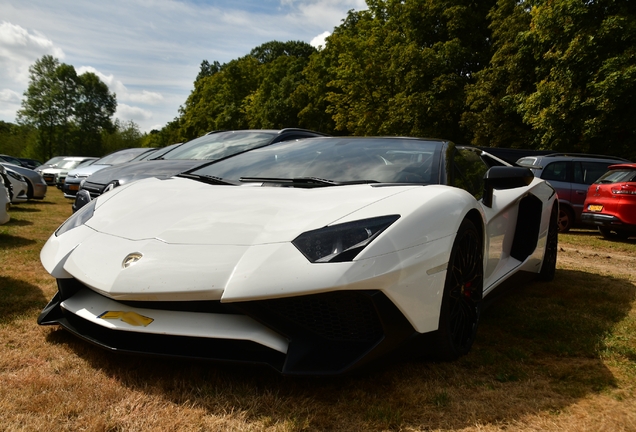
463, 292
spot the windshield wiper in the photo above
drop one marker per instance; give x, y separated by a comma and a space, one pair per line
303, 181
206, 179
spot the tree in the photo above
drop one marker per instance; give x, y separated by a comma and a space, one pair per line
562, 77
40, 107
94, 109
401, 67
68, 111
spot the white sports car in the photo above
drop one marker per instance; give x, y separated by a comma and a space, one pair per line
314, 256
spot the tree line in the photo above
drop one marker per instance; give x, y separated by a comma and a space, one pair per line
540, 74
64, 113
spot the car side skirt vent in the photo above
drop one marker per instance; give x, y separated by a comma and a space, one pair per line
527, 228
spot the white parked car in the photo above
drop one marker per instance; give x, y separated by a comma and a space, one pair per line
314, 256
61, 168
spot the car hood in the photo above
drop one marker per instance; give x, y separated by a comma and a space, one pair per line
132, 171
87, 170
183, 211
24, 171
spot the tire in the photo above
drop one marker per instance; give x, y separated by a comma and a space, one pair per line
548, 267
611, 234
566, 219
462, 298
605, 232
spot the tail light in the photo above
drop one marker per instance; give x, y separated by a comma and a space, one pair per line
624, 189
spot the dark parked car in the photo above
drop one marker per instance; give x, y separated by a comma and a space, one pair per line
611, 202
212, 146
570, 175
76, 176
30, 163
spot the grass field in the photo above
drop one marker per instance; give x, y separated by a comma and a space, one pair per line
556, 356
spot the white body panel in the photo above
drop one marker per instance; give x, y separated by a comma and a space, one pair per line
203, 242
4, 204
90, 306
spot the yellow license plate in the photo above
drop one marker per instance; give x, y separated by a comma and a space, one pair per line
73, 187
595, 208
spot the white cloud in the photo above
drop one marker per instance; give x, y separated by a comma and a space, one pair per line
9, 103
122, 92
148, 51
10, 97
127, 112
19, 49
319, 41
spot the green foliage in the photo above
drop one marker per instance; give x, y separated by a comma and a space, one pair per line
401, 67
68, 111
18, 140
562, 77
121, 136
254, 91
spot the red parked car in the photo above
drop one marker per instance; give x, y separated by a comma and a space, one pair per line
611, 202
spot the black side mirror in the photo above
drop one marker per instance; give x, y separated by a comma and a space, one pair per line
502, 177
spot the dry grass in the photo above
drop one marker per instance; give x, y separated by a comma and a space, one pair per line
558, 356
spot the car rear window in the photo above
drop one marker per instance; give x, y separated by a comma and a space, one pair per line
618, 175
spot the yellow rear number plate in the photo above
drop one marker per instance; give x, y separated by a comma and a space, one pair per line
73, 187
595, 208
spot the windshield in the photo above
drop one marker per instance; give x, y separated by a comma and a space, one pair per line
68, 164
618, 175
220, 144
122, 156
385, 160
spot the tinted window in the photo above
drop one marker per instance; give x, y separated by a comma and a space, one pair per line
618, 175
468, 171
387, 160
555, 171
221, 144
588, 172
121, 156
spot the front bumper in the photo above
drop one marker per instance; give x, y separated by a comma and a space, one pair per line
318, 334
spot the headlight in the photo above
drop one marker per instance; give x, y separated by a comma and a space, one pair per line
77, 219
342, 242
16, 176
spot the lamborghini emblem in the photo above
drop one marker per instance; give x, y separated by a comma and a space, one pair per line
132, 318
131, 259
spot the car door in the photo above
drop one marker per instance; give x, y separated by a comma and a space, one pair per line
467, 172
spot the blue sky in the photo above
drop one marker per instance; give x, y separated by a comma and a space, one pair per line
149, 51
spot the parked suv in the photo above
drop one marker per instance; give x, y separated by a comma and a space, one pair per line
611, 202
570, 175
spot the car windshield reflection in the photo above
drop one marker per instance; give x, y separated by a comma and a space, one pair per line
340, 160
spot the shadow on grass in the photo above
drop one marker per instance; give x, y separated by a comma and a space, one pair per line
539, 350
8, 241
23, 208
18, 222
18, 298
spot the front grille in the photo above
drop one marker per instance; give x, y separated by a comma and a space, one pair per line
335, 316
